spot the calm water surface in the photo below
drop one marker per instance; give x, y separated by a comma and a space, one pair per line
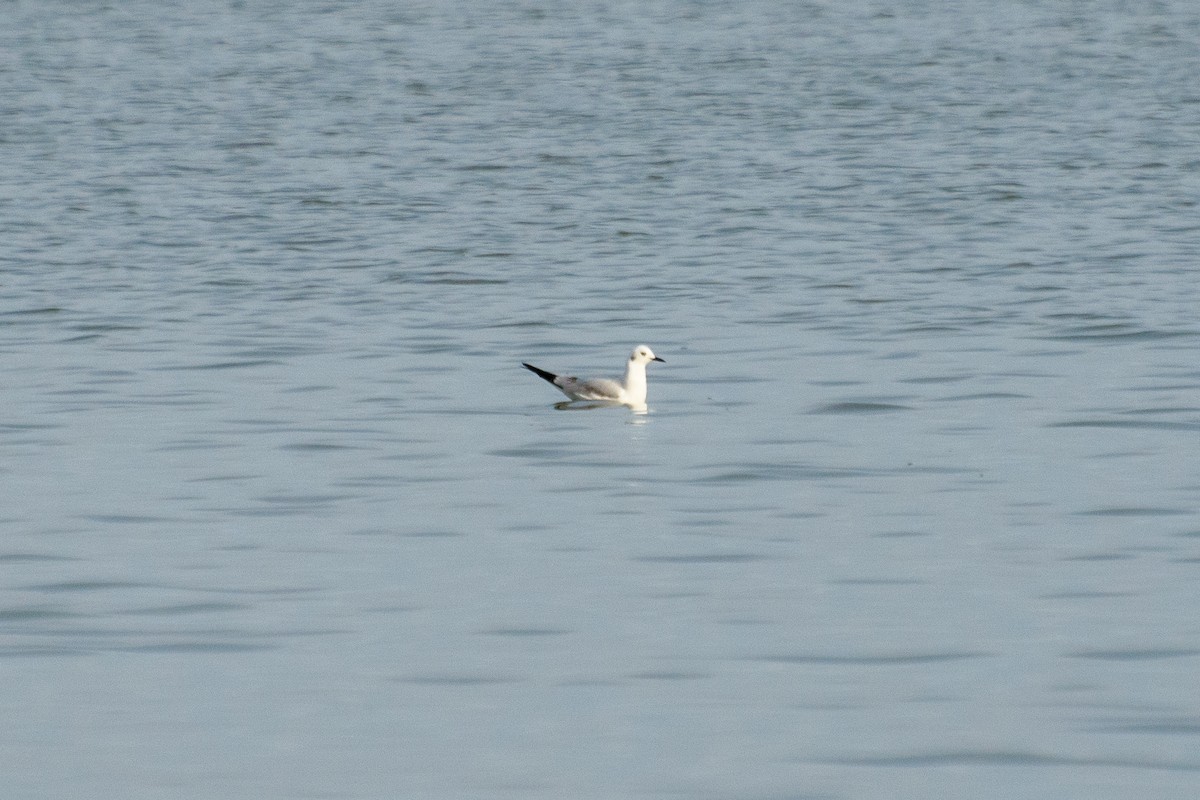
914, 512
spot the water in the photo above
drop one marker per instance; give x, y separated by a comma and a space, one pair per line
914, 511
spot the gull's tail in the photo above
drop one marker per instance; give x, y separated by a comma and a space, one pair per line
541, 373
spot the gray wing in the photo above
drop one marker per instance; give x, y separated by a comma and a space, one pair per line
593, 389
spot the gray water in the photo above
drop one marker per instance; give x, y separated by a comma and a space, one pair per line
913, 513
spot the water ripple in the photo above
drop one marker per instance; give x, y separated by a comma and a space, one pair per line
877, 659
1009, 758
701, 558
1135, 654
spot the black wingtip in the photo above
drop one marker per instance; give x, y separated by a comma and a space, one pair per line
541, 373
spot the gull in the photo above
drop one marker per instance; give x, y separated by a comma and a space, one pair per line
631, 391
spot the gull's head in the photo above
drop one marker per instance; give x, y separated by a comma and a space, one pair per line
643, 355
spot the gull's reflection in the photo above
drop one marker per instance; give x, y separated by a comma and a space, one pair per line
639, 416
586, 405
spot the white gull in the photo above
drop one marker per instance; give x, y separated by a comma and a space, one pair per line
630, 391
